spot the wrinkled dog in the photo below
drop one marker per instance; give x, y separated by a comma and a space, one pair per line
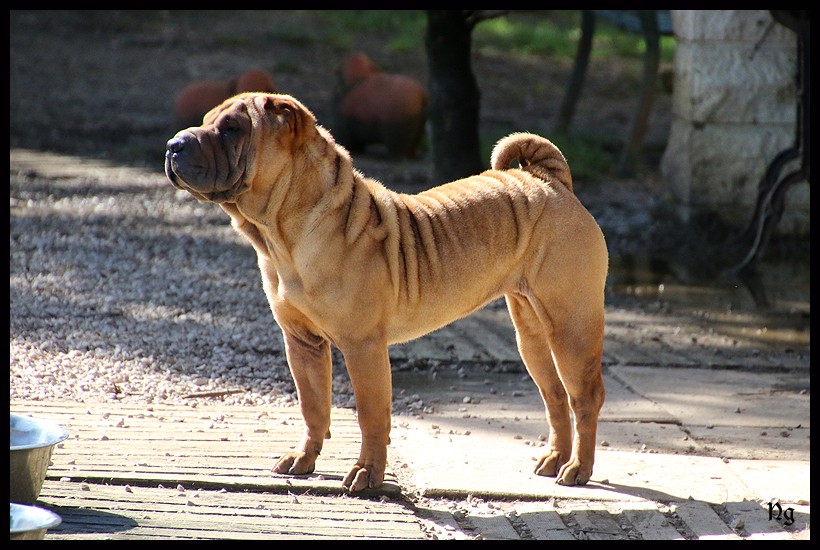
345, 261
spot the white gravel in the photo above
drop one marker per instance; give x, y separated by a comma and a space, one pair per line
121, 287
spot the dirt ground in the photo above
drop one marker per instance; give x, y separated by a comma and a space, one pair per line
102, 85
80, 79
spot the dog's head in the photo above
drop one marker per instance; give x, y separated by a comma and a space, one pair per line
248, 134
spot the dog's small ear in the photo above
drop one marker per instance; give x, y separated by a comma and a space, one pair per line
289, 112
282, 109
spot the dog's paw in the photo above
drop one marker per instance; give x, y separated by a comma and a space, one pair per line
549, 464
295, 464
574, 472
360, 478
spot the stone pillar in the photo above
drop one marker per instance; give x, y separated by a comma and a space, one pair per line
734, 110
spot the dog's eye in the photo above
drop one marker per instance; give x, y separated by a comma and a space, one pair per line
229, 130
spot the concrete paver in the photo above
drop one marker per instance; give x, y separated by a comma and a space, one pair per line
684, 452
709, 397
446, 461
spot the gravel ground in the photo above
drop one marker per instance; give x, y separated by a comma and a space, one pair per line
122, 288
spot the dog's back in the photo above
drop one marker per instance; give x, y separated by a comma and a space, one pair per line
452, 248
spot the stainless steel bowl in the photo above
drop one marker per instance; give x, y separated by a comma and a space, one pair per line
31, 522
32, 442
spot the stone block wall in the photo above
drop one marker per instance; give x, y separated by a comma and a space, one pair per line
734, 110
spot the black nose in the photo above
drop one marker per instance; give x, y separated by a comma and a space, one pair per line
175, 145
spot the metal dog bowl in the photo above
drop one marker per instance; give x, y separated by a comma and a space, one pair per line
32, 442
31, 522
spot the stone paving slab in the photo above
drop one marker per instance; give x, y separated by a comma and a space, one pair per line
481, 463
708, 397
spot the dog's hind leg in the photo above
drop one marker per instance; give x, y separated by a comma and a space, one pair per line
531, 337
577, 347
311, 366
563, 355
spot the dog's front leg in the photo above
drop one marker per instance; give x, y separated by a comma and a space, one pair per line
369, 367
311, 366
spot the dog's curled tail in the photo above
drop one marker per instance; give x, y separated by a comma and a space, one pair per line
535, 154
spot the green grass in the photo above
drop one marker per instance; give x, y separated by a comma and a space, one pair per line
537, 35
403, 29
553, 33
556, 34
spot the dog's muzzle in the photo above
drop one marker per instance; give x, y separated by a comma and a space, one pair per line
196, 169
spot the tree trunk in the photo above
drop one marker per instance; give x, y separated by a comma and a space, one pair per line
579, 71
651, 61
454, 96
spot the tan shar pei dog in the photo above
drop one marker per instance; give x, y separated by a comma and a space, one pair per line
347, 262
